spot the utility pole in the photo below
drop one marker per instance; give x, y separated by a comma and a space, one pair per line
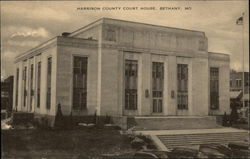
243, 66
240, 21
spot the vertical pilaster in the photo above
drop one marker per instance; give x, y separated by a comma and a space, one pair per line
120, 73
172, 86
99, 71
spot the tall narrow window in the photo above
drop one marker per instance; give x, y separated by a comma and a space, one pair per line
231, 83
214, 88
238, 82
17, 81
24, 86
182, 86
49, 69
80, 83
131, 78
38, 83
157, 86
31, 85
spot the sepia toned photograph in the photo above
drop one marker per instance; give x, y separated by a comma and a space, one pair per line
125, 79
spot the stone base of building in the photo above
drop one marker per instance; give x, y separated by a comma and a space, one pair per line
125, 122
172, 122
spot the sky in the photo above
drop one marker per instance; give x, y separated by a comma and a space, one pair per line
24, 25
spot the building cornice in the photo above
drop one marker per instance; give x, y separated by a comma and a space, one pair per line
150, 26
57, 41
218, 56
37, 50
182, 53
77, 42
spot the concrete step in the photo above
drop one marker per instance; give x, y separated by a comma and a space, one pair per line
175, 138
197, 139
173, 123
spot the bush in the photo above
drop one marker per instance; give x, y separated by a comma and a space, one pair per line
234, 116
137, 143
225, 120
146, 139
108, 119
59, 120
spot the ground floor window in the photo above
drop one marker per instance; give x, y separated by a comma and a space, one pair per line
80, 65
24, 86
38, 84
214, 88
131, 79
157, 86
49, 71
182, 86
31, 85
17, 81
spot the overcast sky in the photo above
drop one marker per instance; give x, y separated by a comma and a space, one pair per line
26, 24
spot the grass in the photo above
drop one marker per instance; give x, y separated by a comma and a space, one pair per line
87, 143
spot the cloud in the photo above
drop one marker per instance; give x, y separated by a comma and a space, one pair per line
236, 65
9, 54
25, 43
23, 31
42, 12
30, 32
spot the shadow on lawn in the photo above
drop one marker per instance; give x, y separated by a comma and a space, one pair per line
63, 143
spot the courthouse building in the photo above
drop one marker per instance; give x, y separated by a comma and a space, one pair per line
122, 68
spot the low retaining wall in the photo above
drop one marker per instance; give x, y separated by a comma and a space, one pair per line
173, 123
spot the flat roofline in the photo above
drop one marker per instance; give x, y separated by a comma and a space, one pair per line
153, 25
102, 20
218, 53
92, 23
44, 44
36, 47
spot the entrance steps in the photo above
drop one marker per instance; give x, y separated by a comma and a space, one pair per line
165, 139
172, 122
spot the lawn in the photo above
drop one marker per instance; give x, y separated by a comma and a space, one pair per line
87, 143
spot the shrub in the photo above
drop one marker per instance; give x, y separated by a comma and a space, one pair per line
225, 120
95, 118
234, 116
59, 121
108, 119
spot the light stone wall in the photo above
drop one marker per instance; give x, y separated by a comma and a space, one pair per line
140, 36
146, 80
19, 103
105, 82
43, 57
200, 86
172, 85
222, 62
110, 82
66, 51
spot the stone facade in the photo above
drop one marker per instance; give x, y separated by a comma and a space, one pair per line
107, 43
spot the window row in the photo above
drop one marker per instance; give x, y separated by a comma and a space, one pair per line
30, 88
